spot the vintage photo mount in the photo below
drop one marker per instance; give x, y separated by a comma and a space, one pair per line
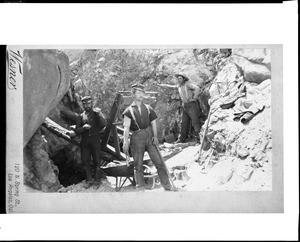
19, 201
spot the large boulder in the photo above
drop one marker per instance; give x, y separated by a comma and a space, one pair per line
46, 80
258, 55
252, 72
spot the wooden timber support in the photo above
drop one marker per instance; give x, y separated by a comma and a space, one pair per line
111, 128
58, 130
61, 132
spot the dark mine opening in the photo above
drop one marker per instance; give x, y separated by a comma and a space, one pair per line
70, 172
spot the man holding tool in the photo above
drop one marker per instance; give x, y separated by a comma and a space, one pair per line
140, 119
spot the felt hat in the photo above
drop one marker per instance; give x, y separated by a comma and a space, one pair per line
182, 75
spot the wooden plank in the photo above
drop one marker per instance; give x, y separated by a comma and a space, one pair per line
112, 118
58, 130
111, 150
116, 139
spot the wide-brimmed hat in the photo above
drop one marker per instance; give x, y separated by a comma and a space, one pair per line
86, 99
139, 87
182, 75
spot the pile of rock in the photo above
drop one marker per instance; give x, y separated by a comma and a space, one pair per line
238, 150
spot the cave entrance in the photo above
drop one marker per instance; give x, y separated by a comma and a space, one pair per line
70, 172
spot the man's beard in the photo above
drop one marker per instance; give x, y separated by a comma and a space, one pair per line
87, 109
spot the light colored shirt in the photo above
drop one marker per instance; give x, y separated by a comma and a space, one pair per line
188, 91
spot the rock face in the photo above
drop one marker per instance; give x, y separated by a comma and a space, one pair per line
39, 170
240, 152
238, 147
258, 56
252, 72
46, 80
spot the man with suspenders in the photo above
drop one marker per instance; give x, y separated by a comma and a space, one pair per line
140, 119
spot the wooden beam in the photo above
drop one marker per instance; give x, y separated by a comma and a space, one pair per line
58, 130
112, 118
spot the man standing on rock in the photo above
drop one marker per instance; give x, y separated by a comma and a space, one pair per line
90, 124
140, 119
189, 93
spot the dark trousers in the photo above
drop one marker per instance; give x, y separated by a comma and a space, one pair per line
90, 147
141, 141
191, 113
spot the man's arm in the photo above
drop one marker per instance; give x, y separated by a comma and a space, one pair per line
167, 85
154, 128
127, 122
100, 117
79, 129
195, 88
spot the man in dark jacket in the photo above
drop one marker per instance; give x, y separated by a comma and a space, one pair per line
90, 124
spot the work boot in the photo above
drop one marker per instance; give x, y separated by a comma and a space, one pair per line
96, 184
198, 140
87, 184
171, 189
105, 181
99, 174
140, 189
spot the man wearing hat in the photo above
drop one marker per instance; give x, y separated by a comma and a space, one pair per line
189, 93
90, 124
140, 119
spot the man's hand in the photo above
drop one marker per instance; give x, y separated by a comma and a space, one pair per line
125, 146
71, 133
86, 126
155, 141
84, 118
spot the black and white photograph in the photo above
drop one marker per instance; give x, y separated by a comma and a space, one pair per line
149, 120
155, 121
131, 120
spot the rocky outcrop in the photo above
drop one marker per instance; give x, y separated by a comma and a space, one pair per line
239, 154
46, 80
254, 64
225, 79
259, 56
39, 170
252, 72
237, 151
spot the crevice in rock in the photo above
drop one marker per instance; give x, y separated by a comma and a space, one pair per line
69, 171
